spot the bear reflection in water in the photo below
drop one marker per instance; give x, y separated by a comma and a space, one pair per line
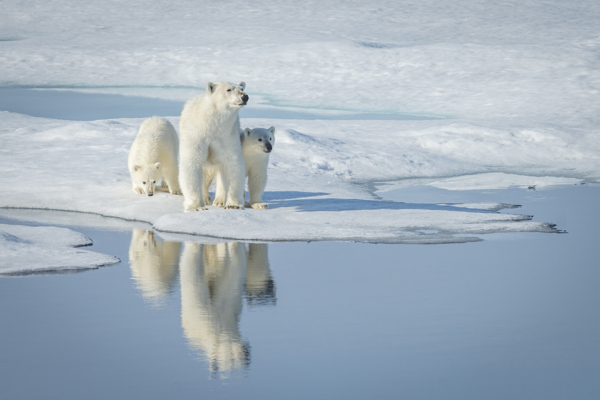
214, 279
154, 265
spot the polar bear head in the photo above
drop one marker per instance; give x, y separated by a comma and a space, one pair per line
258, 140
228, 94
145, 177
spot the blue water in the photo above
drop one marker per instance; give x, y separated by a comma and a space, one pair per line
511, 317
78, 106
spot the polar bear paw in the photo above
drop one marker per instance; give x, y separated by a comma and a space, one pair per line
176, 192
260, 206
218, 202
234, 207
138, 190
195, 208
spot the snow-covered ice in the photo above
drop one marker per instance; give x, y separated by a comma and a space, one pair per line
27, 250
515, 85
473, 59
317, 184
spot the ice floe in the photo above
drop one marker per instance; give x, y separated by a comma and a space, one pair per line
320, 177
28, 250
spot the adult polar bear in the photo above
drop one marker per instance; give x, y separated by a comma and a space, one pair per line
209, 130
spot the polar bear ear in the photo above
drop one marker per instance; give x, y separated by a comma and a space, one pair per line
242, 84
210, 87
136, 167
247, 131
272, 129
157, 165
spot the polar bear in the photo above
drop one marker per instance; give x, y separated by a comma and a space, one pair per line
153, 156
257, 144
212, 285
154, 264
209, 131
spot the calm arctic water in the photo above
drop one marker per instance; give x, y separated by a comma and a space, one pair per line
77, 106
512, 317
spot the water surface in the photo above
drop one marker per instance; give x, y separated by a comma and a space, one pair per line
82, 106
509, 317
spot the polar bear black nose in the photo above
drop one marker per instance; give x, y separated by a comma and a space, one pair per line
268, 146
245, 98
150, 194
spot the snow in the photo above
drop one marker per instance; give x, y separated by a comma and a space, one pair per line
514, 86
317, 187
26, 250
472, 59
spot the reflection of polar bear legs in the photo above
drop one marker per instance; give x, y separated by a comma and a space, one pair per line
154, 264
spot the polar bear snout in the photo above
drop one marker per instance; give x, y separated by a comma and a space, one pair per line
268, 147
245, 98
150, 194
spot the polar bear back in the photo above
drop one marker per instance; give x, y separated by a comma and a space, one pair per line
156, 141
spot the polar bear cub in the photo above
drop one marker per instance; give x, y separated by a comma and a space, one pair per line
257, 144
209, 131
153, 156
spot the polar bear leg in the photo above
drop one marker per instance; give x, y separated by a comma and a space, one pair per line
220, 190
191, 179
164, 186
209, 176
257, 181
233, 182
171, 179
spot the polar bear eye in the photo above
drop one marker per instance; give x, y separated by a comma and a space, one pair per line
144, 183
229, 90
260, 140
153, 181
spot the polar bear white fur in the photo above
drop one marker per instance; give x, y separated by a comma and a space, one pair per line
212, 285
154, 264
209, 131
153, 156
257, 144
